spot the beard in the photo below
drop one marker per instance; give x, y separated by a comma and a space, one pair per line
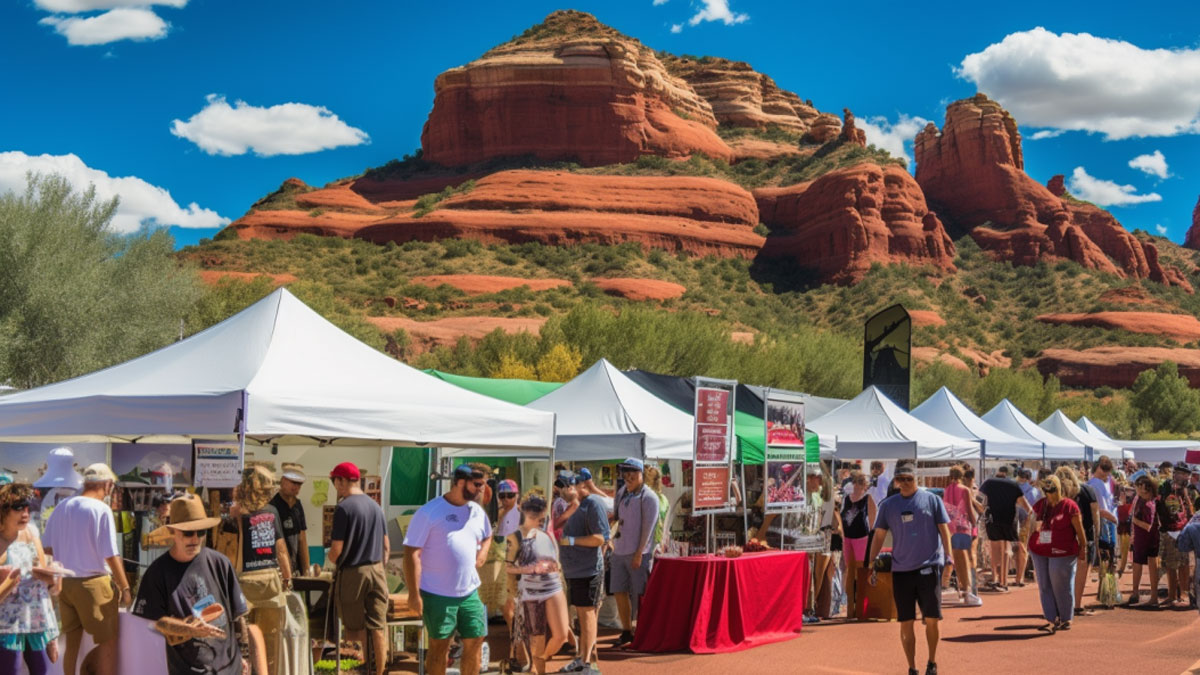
470, 492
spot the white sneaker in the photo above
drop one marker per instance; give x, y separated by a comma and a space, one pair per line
972, 600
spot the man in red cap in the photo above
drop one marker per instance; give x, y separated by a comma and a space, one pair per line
359, 546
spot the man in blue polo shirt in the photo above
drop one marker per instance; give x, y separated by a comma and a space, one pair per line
918, 522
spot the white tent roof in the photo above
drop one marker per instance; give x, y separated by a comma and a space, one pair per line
1006, 417
945, 411
298, 377
871, 426
1061, 425
602, 414
1144, 451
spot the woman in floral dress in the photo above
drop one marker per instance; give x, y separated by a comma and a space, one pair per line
28, 626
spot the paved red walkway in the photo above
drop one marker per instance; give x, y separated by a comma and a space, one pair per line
999, 638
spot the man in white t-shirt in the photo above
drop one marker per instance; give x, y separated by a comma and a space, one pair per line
447, 541
82, 535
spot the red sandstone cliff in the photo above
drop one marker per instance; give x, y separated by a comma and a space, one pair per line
972, 172
1193, 234
1114, 366
570, 88
842, 222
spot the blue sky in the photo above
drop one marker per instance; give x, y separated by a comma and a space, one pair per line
1130, 90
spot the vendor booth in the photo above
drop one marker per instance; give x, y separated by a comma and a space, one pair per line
1008, 418
871, 426
1151, 452
946, 412
280, 383
1061, 425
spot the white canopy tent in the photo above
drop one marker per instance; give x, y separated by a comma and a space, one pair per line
1145, 451
943, 410
279, 373
1009, 419
602, 414
871, 426
1061, 425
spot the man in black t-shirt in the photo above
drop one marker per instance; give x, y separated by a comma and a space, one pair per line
290, 511
1003, 497
192, 595
359, 547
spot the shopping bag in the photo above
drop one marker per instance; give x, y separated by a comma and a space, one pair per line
1109, 594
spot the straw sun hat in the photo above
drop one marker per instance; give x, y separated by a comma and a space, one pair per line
256, 489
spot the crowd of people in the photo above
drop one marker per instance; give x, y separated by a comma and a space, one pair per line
217, 591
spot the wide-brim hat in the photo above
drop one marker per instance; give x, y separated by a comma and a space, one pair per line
256, 489
60, 471
187, 513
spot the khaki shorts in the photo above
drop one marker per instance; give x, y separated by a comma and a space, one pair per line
90, 604
363, 597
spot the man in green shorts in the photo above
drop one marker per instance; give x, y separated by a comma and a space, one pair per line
446, 542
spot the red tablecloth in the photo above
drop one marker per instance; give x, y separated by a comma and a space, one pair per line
709, 604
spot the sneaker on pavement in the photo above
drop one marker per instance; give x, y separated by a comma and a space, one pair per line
972, 600
624, 638
575, 666
931, 669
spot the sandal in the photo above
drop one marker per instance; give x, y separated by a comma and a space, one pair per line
1084, 611
1048, 628
1064, 625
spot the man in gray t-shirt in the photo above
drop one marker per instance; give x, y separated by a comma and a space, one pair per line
635, 509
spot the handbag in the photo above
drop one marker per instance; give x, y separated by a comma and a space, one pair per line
1109, 593
883, 563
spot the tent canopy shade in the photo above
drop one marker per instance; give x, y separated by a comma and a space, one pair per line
520, 392
1008, 418
943, 410
602, 414
871, 426
1145, 451
297, 378
1061, 425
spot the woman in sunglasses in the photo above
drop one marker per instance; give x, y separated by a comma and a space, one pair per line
28, 625
1056, 542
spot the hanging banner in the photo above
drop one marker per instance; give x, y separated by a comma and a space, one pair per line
217, 464
785, 453
712, 446
887, 350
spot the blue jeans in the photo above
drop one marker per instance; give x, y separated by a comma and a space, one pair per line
1056, 586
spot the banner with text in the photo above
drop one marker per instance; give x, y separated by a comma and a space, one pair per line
785, 456
713, 443
218, 464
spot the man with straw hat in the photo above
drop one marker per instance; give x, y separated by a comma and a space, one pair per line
193, 597
82, 535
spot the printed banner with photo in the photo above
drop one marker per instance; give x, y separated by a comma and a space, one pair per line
784, 482
152, 463
26, 462
785, 422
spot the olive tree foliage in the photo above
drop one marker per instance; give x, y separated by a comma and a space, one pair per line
1163, 401
75, 296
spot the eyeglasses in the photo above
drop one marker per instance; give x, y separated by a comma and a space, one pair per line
508, 495
190, 534
905, 479
21, 505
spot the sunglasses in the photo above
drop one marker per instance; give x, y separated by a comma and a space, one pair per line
905, 479
1050, 490
21, 505
507, 495
189, 534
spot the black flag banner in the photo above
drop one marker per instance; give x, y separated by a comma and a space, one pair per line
887, 351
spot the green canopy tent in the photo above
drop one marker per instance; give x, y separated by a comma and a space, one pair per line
519, 392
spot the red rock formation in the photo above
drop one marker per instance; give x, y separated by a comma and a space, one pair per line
741, 97
851, 133
699, 215
1180, 327
213, 277
569, 89
1133, 295
1192, 240
973, 174
925, 317
842, 222
446, 332
640, 289
1114, 366
479, 284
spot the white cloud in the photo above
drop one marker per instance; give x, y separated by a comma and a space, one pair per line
1047, 133
659, 2
114, 25
1162, 231
1105, 192
1080, 82
284, 129
711, 10
77, 6
141, 202
677, 28
1154, 164
895, 138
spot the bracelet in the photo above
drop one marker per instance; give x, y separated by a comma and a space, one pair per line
570, 541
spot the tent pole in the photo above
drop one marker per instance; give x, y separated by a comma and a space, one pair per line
745, 501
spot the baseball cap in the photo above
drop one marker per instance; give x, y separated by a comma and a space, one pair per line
585, 473
98, 473
1182, 467
565, 479
294, 474
346, 470
905, 469
464, 471
631, 464
507, 485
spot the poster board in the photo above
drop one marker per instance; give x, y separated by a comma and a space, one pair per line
712, 446
784, 480
217, 464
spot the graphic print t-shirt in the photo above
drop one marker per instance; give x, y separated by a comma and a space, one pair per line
292, 523
181, 590
260, 531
